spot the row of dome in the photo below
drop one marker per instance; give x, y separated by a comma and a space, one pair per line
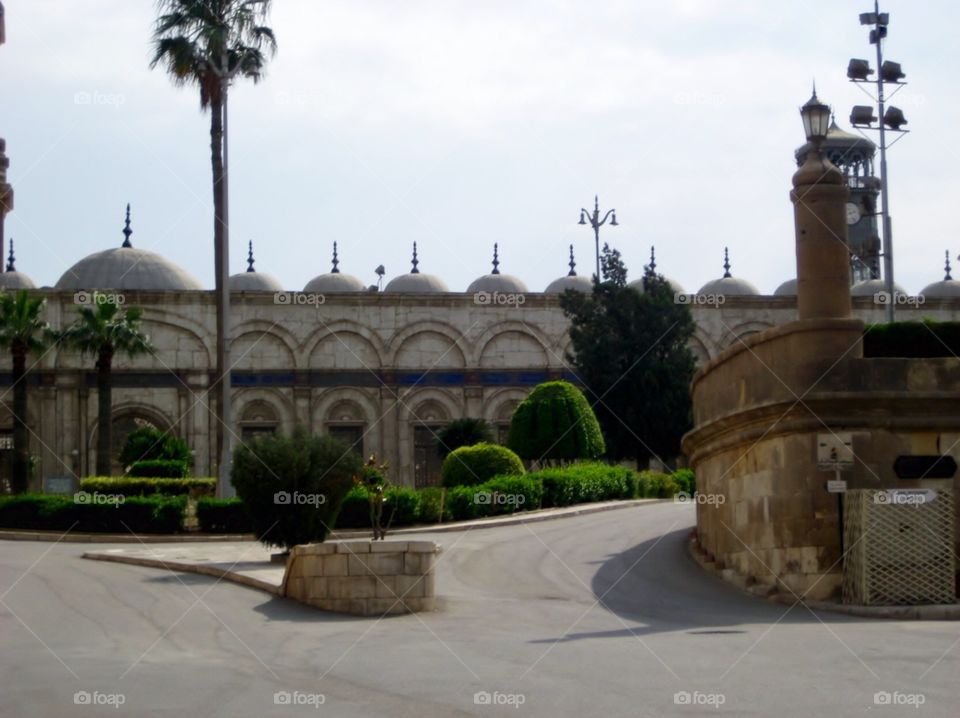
129, 268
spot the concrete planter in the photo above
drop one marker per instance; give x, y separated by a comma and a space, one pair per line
363, 578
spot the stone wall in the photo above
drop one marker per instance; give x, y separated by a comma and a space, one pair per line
363, 578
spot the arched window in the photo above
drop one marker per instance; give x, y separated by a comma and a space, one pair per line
427, 419
346, 422
258, 417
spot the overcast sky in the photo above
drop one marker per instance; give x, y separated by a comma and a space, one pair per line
460, 123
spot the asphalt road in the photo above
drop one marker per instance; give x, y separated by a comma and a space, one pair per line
599, 615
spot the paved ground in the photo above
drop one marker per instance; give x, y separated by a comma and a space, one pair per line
603, 614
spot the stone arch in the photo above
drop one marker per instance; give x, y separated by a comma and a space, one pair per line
744, 329
346, 327
423, 412
512, 347
344, 349
125, 417
445, 346
352, 416
496, 331
558, 351
261, 345
259, 410
498, 410
699, 348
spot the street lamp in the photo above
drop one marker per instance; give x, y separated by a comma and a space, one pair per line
888, 119
816, 120
593, 219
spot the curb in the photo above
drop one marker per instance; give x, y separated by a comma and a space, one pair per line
487, 523
939, 612
200, 568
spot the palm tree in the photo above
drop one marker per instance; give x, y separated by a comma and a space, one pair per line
208, 43
104, 331
22, 331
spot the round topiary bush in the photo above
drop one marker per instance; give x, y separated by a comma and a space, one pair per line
471, 465
293, 486
555, 423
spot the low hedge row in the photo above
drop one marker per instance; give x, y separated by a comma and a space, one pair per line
223, 516
129, 486
141, 514
160, 468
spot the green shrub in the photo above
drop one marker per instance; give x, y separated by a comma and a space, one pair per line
149, 444
148, 486
555, 423
659, 486
507, 495
159, 468
471, 465
401, 508
140, 514
463, 432
223, 516
586, 482
293, 486
685, 480
432, 503
459, 504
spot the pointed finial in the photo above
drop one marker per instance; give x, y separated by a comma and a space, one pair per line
250, 257
415, 261
726, 263
336, 261
653, 261
946, 266
10, 261
573, 264
814, 88
496, 260
596, 203
126, 229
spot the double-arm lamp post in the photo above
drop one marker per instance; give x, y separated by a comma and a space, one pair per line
594, 220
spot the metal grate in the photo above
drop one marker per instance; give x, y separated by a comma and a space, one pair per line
899, 547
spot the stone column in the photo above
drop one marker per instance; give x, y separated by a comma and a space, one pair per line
819, 199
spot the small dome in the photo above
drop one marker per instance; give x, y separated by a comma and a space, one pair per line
334, 282
869, 287
787, 289
944, 289
16, 280
559, 286
504, 283
416, 282
674, 285
254, 282
127, 268
728, 285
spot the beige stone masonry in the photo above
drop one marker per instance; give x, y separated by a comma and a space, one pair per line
363, 578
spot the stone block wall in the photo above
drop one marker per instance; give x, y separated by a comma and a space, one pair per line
363, 578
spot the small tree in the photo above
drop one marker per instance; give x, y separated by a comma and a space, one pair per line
22, 331
293, 486
463, 432
373, 479
555, 424
472, 465
104, 332
148, 443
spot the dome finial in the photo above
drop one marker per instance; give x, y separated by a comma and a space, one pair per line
336, 262
946, 266
496, 260
415, 261
652, 268
726, 263
250, 257
11, 260
573, 264
126, 229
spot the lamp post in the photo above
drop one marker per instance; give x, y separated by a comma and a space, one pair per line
890, 119
594, 220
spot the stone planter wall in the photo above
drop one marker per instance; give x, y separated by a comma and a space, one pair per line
363, 578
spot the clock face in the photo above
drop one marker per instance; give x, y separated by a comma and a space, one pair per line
853, 213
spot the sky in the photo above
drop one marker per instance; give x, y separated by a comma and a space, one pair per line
457, 124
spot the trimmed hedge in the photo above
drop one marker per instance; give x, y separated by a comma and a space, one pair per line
472, 465
402, 504
555, 423
223, 516
148, 486
916, 340
148, 442
159, 468
143, 514
685, 479
585, 482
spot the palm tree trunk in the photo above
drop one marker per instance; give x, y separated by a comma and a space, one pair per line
104, 415
220, 270
21, 440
